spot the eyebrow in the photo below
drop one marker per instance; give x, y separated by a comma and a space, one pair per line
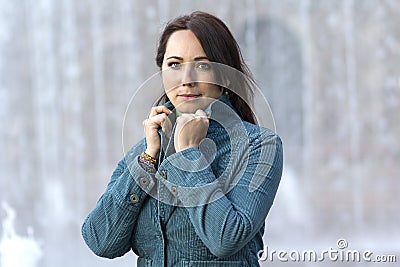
195, 59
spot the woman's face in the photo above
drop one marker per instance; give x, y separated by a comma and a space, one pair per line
188, 74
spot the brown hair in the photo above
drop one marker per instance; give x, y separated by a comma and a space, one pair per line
220, 46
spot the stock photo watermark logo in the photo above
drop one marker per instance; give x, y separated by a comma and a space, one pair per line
342, 253
220, 112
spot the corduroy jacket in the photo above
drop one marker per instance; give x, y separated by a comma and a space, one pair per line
204, 206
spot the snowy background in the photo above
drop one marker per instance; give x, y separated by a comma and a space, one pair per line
329, 68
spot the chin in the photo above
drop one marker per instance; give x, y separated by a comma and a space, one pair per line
192, 106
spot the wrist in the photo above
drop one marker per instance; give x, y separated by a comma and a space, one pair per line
148, 163
186, 146
152, 153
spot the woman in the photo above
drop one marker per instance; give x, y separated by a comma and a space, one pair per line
196, 191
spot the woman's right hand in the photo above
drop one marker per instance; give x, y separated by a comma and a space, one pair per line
157, 118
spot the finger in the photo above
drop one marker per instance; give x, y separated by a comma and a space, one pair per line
167, 127
158, 119
201, 114
159, 109
185, 117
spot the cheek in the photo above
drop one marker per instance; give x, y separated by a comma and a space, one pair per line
171, 94
170, 81
211, 90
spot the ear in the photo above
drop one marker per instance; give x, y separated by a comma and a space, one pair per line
224, 91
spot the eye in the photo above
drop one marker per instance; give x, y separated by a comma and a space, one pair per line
204, 66
174, 65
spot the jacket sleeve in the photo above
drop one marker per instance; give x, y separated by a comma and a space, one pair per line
107, 229
227, 219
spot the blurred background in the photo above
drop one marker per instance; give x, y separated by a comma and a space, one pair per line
329, 69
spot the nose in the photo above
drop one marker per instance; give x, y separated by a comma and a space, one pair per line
188, 75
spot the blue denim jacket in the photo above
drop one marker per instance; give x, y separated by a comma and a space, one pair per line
204, 207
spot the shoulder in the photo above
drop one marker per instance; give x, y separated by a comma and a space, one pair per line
256, 133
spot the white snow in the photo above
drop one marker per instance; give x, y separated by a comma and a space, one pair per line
15, 250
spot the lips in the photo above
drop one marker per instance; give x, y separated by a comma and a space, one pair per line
189, 96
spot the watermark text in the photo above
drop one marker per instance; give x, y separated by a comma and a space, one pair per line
341, 253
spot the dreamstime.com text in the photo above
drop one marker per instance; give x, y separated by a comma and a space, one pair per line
332, 254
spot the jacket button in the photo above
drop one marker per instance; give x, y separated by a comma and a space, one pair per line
164, 174
134, 198
174, 190
144, 181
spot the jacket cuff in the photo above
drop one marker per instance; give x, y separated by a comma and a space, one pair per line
133, 186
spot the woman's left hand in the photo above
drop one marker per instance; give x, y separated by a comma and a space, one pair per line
190, 130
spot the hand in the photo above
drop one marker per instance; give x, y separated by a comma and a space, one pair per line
190, 130
157, 118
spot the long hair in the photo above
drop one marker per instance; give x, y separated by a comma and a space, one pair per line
220, 46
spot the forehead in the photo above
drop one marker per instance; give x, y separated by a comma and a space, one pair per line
185, 44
